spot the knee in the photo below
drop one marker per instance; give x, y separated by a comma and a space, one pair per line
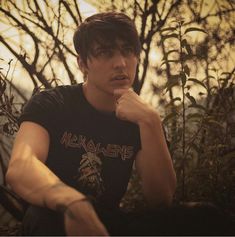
42, 221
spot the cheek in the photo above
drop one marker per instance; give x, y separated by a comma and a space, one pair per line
93, 69
133, 65
135, 61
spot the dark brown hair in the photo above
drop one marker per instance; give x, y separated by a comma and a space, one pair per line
105, 28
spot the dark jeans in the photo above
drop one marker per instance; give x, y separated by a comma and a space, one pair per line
177, 220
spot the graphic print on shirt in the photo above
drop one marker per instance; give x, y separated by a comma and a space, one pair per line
89, 176
70, 140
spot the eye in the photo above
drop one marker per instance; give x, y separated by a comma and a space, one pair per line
104, 53
128, 51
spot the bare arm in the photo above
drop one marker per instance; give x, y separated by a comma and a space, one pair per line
153, 161
33, 181
28, 175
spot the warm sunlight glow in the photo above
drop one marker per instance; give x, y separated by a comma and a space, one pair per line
21, 77
86, 8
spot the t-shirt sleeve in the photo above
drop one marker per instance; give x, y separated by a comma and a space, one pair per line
43, 109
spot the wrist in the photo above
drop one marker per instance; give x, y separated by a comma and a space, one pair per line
61, 194
64, 208
149, 118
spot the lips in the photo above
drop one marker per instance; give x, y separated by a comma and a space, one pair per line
120, 77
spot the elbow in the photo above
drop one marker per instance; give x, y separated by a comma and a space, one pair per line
170, 191
160, 197
13, 178
9, 177
157, 201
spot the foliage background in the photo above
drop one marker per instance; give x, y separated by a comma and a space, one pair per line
186, 72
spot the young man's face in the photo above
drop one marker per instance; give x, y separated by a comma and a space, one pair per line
111, 67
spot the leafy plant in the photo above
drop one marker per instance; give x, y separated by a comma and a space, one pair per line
10, 109
198, 129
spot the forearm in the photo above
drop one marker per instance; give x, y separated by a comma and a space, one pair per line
36, 184
154, 162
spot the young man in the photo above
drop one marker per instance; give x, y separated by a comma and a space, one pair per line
80, 141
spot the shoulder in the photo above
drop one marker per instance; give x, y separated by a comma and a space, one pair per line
57, 96
59, 92
49, 106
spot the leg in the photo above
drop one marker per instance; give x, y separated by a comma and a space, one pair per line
114, 220
181, 220
42, 221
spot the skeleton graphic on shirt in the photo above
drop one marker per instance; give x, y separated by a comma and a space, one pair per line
90, 177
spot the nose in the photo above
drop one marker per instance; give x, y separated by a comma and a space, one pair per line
119, 60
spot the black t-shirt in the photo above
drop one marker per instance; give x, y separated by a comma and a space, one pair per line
89, 150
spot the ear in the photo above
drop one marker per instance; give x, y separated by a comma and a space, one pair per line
82, 65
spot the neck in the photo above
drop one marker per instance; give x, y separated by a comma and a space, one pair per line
100, 100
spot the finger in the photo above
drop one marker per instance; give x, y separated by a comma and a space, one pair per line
118, 93
120, 115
